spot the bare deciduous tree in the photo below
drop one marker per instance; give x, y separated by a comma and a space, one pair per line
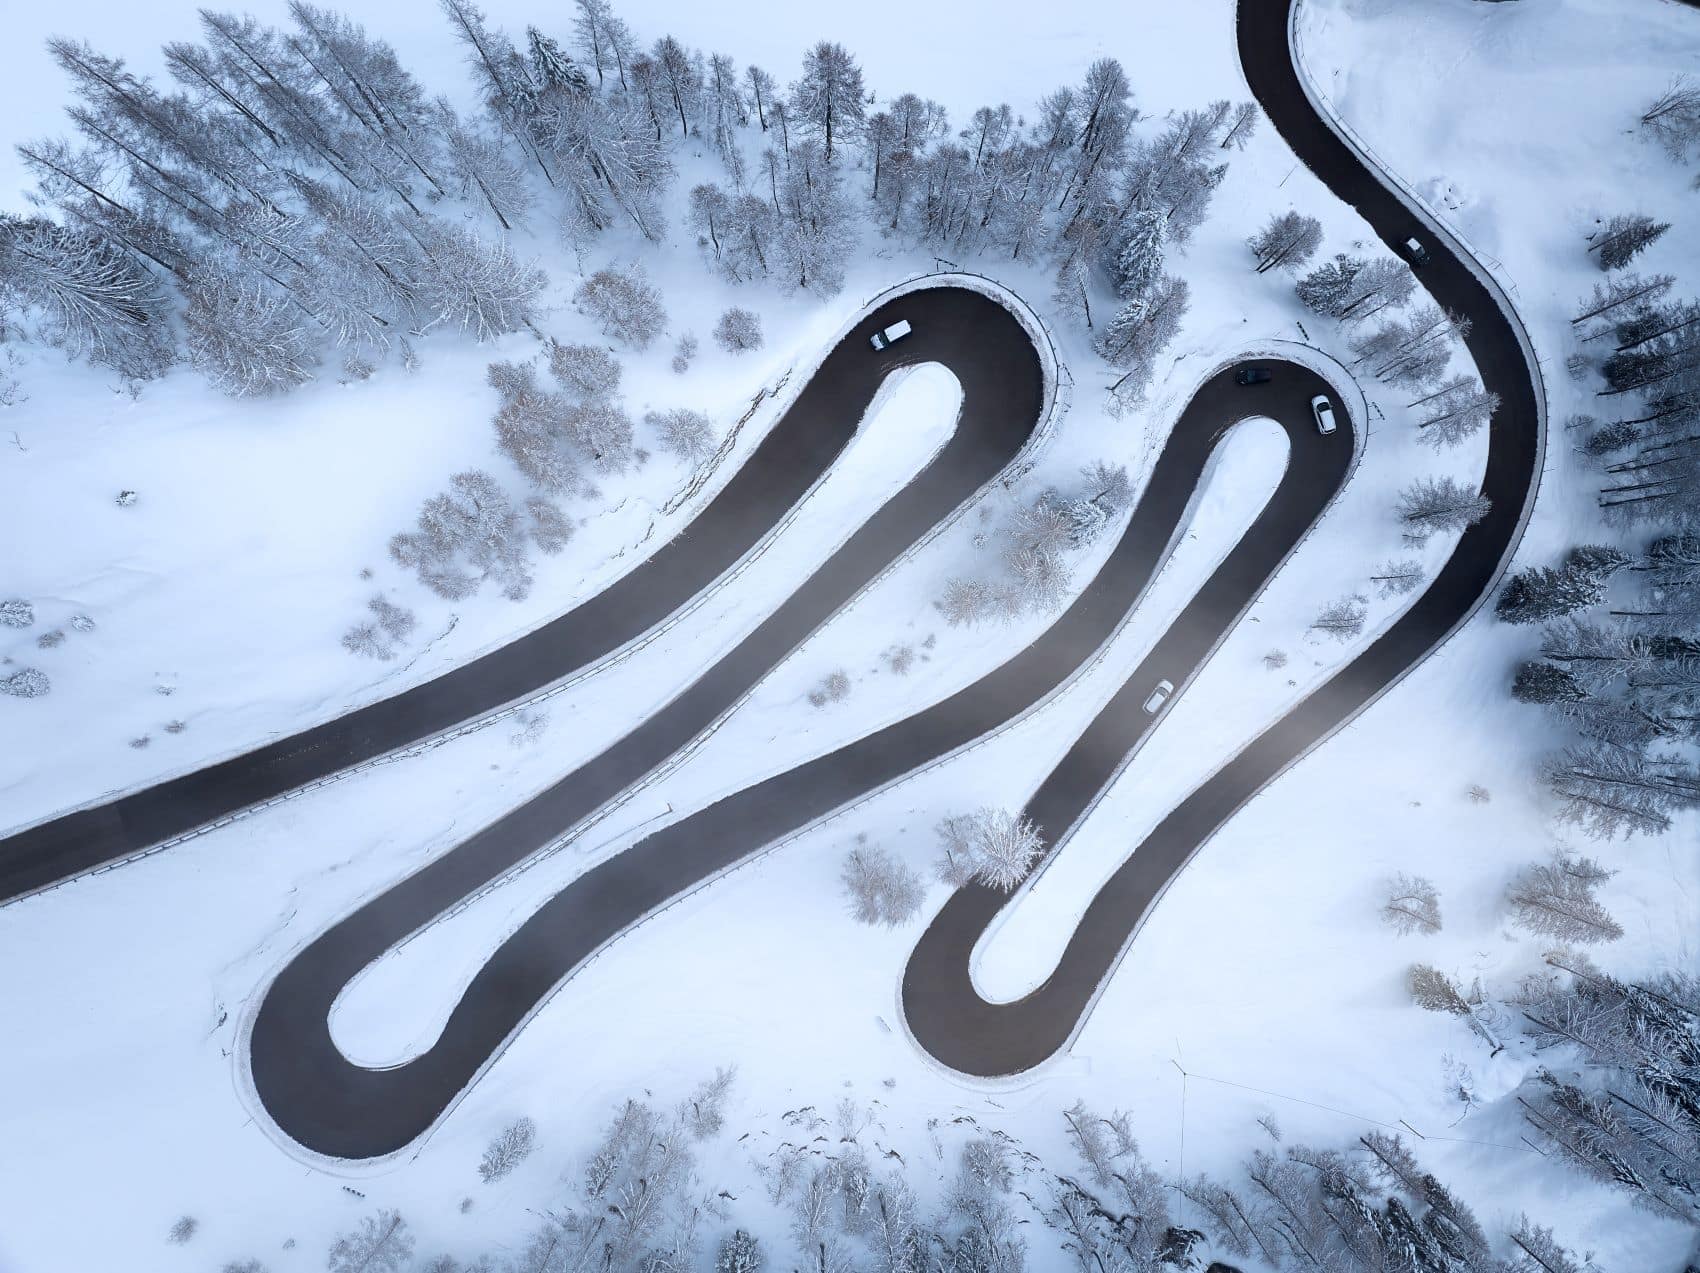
1412, 905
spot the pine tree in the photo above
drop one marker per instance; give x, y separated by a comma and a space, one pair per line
1624, 237
1140, 263
1546, 684
1556, 899
1539, 593
1327, 289
1287, 241
1433, 504
829, 96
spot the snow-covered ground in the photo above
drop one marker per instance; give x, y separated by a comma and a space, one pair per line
1264, 973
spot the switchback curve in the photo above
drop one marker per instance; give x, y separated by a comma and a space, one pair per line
943, 1010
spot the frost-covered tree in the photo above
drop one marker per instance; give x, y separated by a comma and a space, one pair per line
477, 285
1455, 411
828, 97
1241, 126
881, 889
1342, 619
244, 337
686, 433
1139, 264
738, 331
624, 303
1537, 594
382, 1244
1287, 241
1433, 991
1546, 684
740, 1252
15, 612
512, 1145
1673, 118
1625, 236
1616, 294
550, 530
603, 433
1353, 288
1436, 504
966, 601
587, 371
1607, 790
1413, 351
1398, 578
94, 298
469, 533
994, 846
814, 234
1556, 899
1412, 905
1141, 330
762, 90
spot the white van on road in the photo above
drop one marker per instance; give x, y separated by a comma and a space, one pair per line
897, 331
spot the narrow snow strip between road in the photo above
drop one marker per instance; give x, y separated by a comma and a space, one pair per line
1022, 947
397, 1006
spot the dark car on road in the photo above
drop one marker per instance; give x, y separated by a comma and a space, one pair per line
1252, 376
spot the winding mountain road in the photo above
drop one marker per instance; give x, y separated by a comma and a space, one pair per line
943, 1010
334, 1107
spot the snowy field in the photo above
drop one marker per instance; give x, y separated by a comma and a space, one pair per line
1265, 974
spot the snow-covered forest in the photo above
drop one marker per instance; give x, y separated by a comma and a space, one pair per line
321, 374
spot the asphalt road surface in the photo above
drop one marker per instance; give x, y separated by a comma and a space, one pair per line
1002, 385
943, 1010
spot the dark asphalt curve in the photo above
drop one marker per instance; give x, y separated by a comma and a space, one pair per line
944, 1012
335, 1107
974, 336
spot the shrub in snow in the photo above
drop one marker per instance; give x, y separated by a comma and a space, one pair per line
738, 331
1478, 794
881, 889
1275, 660
15, 612
508, 1150
684, 351
48, 640
1342, 619
470, 527
183, 1230
1412, 905
834, 688
992, 845
82, 623
900, 659
365, 640
625, 304
126, 498
686, 433
356, 367
28, 683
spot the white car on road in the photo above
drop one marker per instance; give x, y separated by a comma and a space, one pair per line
897, 331
1159, 696
1324, 413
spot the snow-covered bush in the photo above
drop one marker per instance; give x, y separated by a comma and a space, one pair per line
738, 331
